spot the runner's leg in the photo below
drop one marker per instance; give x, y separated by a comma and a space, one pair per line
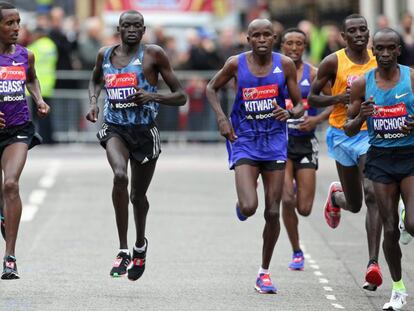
273, 187
141, 176
118, 155
12, 161
246, 183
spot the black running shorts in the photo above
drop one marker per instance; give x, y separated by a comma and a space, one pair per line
24, 133
303, 151
389, 165
142, 141
262, 165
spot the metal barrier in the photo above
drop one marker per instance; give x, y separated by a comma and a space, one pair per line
194, 122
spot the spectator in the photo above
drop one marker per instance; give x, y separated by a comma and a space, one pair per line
45, 53
90, 43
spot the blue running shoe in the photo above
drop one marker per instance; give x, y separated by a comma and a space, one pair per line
298, 261
264, 284
239, 214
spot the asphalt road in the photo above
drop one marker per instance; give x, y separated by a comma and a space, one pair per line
200, 256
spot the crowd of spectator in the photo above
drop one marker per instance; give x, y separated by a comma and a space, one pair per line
196, 50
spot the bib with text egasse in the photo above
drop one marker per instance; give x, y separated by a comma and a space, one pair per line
391, 109
119, 83
13, 102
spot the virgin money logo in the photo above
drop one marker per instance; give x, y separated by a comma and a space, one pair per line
120, 79
390, 111
12, 73
260, 92
350, 80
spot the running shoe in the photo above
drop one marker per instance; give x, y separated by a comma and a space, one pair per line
120, 265
264, 284
397, 301
298, 261
332, 213
405, 237
137, 267
2, 225
240, 216
373, 277
9, 269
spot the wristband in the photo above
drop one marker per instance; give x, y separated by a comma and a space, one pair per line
90, 98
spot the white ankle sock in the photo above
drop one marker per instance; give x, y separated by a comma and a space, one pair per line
142, 248
263, 271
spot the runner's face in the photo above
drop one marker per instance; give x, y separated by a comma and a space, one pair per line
293, 45
356, 34
9, 26
261, 39
131, 28
386, 49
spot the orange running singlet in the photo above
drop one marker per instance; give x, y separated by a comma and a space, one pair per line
346, 73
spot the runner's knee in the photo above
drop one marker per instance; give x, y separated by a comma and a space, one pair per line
11, 188
248, 208
390, 232
120, 178
139, 200
272, 214
304, 210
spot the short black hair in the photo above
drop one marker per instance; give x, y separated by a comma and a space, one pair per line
130, 12
290, 30
5, 6
388, 30
352, 16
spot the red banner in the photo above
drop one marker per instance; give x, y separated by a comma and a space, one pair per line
213, 6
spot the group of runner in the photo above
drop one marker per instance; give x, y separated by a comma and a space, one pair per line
367, 97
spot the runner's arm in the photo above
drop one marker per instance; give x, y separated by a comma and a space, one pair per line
177, 97
289, 70
358, 109
221, 78
96, 83
33, 86
326, 74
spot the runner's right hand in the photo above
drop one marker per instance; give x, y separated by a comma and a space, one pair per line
227, 130
367, 108
2, 121
93, 113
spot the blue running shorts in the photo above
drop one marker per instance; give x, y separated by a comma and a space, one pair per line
344, 149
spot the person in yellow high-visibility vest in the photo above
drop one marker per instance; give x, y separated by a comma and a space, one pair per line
45, 52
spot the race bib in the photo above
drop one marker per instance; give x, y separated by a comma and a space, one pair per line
387, 120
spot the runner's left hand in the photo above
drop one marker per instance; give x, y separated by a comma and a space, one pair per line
408, 127
141, 97
43, 109
309, 123
280, 113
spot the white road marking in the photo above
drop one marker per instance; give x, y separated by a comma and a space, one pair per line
28, 213
316, 267
323, 281
338, 306
330, 297
318, 273
37, 196
328, 288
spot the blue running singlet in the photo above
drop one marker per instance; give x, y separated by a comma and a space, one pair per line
260, 136
392, 107
13, 104
119, 83
304, 86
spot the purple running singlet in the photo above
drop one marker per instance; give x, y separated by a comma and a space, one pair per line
13, 104
260, 136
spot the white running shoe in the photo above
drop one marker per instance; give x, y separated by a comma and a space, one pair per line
397, 301
405, 237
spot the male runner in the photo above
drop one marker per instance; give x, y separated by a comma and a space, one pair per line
302, 162
340, 69
16, 130
256, 135
129, 73
384, 98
